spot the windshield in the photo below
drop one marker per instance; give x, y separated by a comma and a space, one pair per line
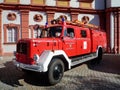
52, 31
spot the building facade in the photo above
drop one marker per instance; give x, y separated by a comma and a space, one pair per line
113, 25
24, 19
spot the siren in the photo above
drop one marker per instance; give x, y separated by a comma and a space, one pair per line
63, 21
46, 24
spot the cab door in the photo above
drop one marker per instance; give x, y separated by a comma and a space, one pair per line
83, 41
69, 42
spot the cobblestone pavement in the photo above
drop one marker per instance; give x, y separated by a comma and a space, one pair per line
105, 76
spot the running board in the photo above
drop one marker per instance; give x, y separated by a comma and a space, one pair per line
81, 59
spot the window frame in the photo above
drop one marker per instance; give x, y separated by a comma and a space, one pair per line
12, 35
5, 27
36, 33
83, 33
67, 34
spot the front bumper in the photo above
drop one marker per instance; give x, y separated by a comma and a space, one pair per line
36, 68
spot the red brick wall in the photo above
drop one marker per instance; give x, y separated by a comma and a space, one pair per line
1, 50
25, 23
50, 16
108, 31
117, 32
74, 16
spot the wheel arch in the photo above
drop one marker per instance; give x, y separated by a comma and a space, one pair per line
63, 59
48, 56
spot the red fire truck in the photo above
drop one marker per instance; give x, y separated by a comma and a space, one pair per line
60, 47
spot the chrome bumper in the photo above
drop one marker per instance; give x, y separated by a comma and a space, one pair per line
36, 68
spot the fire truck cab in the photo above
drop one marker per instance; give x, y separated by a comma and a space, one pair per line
60, 47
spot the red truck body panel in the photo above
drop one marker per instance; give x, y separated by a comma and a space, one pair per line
83, 41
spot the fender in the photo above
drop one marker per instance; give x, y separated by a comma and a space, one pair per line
47, 55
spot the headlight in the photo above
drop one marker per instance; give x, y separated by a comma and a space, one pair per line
36, 57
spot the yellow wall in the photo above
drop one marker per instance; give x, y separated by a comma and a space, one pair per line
85, 5
38, 2
11, 1
63, 3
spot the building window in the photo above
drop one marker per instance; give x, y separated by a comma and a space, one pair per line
63, 17
63, 3
38, 17
85, 19
11, 1
36, 31
38, 2
11, 16
12, 35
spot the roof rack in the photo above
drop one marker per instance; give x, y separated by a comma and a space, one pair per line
81, 24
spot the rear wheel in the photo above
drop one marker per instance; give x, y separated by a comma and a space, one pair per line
99, 57
100, 54
56, 71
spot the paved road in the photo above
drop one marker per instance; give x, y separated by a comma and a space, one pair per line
105, 76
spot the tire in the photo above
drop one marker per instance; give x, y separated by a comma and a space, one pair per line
97, 60
55, 71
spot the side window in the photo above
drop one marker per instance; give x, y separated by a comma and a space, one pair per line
83, 33
69, 32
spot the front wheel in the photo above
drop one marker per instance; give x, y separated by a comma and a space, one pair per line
55, 71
